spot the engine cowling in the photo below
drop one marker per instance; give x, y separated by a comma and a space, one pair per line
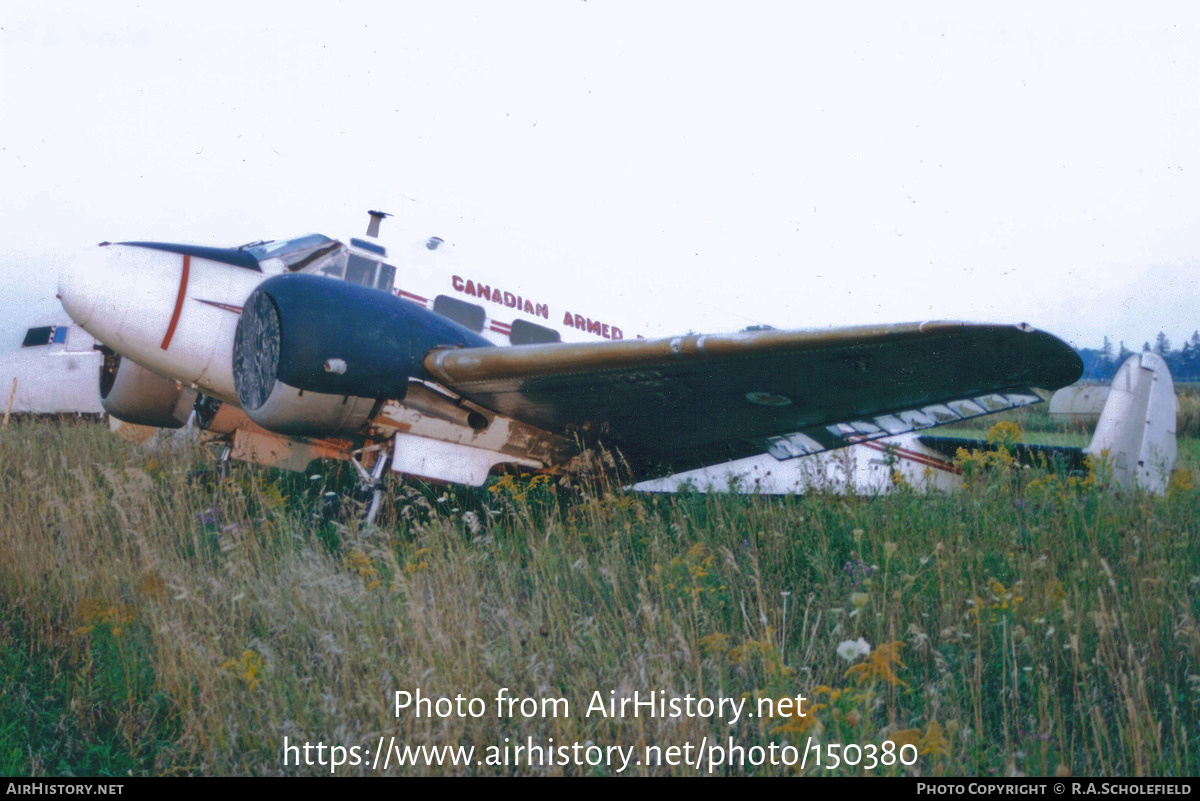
136, 395
316, 356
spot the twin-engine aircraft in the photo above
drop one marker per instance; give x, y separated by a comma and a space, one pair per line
314, 347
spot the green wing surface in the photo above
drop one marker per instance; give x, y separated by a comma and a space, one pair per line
700, 399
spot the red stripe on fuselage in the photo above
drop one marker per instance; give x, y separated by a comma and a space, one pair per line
229, 307
183, 282
410, 296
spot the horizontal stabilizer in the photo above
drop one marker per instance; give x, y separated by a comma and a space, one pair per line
1056, 457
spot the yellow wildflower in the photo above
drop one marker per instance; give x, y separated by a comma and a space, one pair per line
878, 665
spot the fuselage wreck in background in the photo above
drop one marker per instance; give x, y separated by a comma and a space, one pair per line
52, 372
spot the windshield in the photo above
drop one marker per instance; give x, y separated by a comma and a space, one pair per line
277, 249
303, 253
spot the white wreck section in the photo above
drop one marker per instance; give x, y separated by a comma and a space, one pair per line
1084, 403
870, 468
54, 370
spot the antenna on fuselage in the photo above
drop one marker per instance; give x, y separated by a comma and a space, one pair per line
376, 218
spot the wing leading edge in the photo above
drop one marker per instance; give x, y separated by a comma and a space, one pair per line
700, 399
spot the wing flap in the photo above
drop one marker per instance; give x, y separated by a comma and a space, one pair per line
852, 432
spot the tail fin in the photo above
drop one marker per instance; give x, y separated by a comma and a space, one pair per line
1137, 427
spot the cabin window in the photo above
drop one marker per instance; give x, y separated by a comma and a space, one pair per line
360, 270
387, 277
468, 315
41, 336
527, 333
60, 333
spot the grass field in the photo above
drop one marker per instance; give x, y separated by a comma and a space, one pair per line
159, 620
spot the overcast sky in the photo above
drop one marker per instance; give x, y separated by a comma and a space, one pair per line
796, 164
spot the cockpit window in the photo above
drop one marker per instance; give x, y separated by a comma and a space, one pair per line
278, 249
38, 336
387, 277
360, 270
318, 254
311, 253
49, 335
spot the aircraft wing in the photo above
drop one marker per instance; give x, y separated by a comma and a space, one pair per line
701, 399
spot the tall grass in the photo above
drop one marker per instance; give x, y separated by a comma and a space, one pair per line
161, 620
1187, 423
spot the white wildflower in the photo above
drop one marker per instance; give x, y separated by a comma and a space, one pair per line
853, 649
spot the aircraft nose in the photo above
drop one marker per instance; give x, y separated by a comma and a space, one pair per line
84, 282
131, 295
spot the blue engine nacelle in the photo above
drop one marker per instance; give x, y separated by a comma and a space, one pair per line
315, 356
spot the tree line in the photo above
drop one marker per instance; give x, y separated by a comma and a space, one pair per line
1101, 364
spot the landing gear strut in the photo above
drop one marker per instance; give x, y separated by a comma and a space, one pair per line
370, 481
223, 463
